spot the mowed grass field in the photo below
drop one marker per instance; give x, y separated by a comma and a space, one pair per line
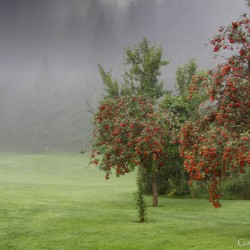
58, 202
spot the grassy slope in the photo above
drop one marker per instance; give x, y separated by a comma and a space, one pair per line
56, 202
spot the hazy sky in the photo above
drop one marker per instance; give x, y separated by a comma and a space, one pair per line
72, 37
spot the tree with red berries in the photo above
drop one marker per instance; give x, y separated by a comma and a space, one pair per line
130, 130
217, 141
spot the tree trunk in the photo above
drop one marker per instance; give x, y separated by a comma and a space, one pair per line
155, 188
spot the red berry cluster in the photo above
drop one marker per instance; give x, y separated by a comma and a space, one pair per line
129, 132
234, 36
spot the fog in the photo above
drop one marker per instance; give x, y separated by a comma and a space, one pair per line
49, 51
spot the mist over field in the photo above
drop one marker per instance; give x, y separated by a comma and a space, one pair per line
49, 51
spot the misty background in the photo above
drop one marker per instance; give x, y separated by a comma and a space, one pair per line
49, 51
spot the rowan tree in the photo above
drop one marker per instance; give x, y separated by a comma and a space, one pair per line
217, 142
129, 131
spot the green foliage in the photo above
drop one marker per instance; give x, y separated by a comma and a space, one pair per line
184, 76
199, 190
112, 88
181, 104
142, 77
236, 186
178, 188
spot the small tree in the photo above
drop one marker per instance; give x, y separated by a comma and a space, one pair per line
217, 142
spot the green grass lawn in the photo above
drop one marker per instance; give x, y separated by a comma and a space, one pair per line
57, 202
